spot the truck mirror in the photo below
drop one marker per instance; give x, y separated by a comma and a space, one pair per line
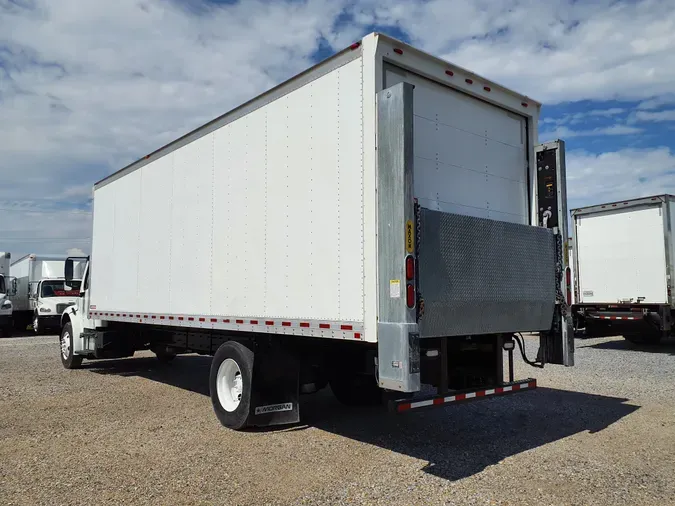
13, 287
68, 273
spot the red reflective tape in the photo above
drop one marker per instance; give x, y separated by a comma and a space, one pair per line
460, 397
346, 327
254, 322
202, 319
532, 384
269, 322
516, 387
357, 335
480, 394
499, 390
285, 324
240, 321
324, 326
403, 407
304, 325
439, 400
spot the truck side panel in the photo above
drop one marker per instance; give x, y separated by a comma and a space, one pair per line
270, 204
621, 256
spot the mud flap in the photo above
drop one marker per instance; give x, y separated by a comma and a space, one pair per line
275, 391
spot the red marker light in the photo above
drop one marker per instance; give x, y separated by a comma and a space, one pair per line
398, 51
410, 296
409, 268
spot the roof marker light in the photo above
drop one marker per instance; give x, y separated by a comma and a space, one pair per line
524, 104
487, 88
450, 72
468, 81
355, 45
398, 51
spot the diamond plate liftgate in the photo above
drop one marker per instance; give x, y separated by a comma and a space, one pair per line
481, 276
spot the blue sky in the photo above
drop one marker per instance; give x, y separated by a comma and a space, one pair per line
87, 87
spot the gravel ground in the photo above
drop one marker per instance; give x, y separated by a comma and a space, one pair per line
134, 431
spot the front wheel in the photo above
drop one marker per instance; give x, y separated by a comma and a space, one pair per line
68, 358
230, 384
37, 328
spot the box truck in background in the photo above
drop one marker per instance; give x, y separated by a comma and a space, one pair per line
7, 289
381, 221
623, 256
41, 295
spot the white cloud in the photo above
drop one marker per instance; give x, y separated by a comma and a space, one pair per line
668, 115
558, 50
563, 132
623, 174
86, 87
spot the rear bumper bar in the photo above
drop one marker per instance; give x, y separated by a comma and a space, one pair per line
399, 406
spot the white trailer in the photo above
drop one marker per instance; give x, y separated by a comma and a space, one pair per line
383, 220
623, 255
7, 289
41, 295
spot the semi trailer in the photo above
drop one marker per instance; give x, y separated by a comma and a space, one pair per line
41, 295
7, 289
623, 262
382, 221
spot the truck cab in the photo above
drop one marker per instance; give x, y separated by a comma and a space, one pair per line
7, 290
49, 298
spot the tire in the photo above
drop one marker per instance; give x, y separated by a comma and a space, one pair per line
356, 389
37, 328
68, 359
164, 356
652, 338
230, 384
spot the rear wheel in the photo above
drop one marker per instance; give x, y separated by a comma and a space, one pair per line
648, 338
354, 389
230, 384
68, 358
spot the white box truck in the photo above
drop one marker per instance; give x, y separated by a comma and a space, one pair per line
7, 290
381, 221
41, 295
623, 256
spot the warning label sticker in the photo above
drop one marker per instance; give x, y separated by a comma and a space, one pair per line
395, 288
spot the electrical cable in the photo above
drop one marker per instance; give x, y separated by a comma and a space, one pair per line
521, 344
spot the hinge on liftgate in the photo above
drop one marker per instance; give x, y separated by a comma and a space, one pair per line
418, 235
